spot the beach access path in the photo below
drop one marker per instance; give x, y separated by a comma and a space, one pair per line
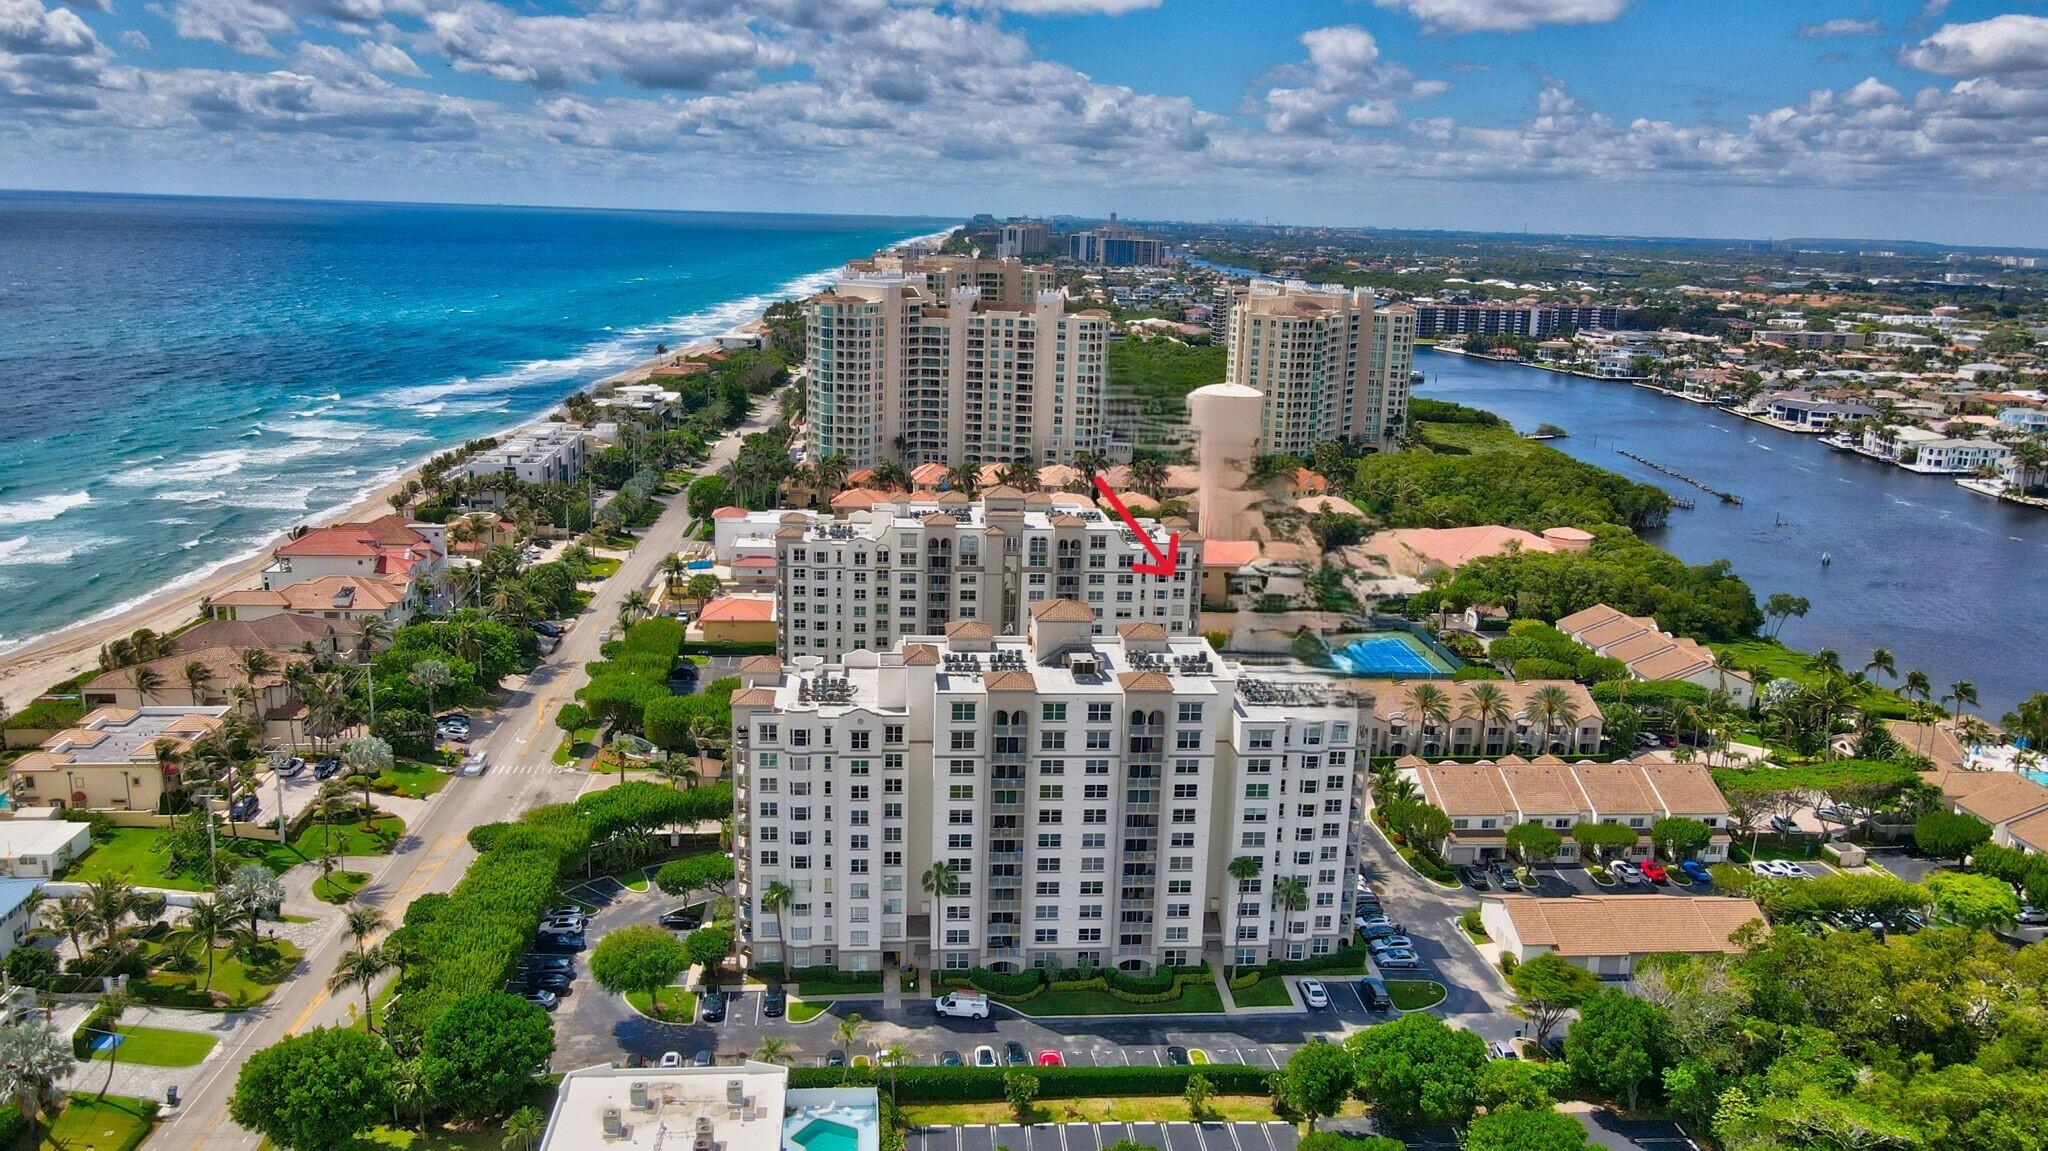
519, 741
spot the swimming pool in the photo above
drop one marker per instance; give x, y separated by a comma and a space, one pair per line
1388, 653
826, 1135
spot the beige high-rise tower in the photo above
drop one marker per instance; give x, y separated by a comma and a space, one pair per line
1225, 418
1331, 365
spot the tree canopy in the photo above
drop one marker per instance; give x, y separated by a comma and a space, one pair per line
480, 1054
1418, 1069
315, 1091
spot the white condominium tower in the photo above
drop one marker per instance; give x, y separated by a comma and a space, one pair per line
915, 567
930, 364
1088, 793
1331, 364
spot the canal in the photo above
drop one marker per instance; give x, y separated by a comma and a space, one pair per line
1951, 581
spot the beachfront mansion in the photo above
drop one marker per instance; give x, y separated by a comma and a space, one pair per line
1089, 790
951, 359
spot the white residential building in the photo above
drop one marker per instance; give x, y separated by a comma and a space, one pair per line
1331, 365
1089, 792
915, 567
548, 453
901, 371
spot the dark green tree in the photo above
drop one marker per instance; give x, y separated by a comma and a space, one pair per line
480, 1055
315, 1091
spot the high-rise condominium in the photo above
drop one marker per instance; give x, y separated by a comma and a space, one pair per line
1073, 799
953, 360
1332, 365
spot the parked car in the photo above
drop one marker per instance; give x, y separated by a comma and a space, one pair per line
545, 1000
702, 1058
711, 1006
1051, 1058
1177, 1056
683, 918
1500, 1049
550, 963
1648, 740
1360, 885
560, 909
984, 1056
1315, 994
1379, 930
1014, 1055
1391, 943
1783, 825
1474, 876
575, 922
1697, 871
1373, 994
545, 628
774, 1001
1398, 961
835, 1058
2031, 916
671, 1059
1504, 878
558, 941
291, 768
327, 768
243, 808
951, 1059
1627, 872
548, 980
1787, 869
1761, 867
962, 1005
1654, 872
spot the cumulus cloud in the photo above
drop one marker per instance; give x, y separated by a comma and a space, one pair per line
2003, 44
1841, 26
1505, 15
1067, 7
1344, 80
553, 52
381, 57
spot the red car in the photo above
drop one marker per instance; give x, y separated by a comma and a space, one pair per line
1050, 1059
1654, 872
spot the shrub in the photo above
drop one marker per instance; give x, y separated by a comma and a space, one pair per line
571, 717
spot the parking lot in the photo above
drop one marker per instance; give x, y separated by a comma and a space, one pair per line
1096, 1136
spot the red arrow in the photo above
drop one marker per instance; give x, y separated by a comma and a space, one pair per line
1162, 563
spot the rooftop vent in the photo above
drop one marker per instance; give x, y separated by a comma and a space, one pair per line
636, 1094
614, 1123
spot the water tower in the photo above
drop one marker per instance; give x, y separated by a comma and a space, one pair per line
1225, 418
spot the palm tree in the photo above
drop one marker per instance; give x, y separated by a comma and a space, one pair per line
257, 664
363, 921
894, 1055
846, 1035
367, 759
673, 566
1290, 894
1961, 693
1552, 707
634, 604
775, 1049
523, 1129
73, 916
1432, 709
198, 677
111, 901
889, 475
409, 1090
1881, 661
963, 478
1488, 705
33, 1061
1244, 869
113, 1005
941, 882
1149, 476
207, 921
1917, 684
148, 681
430, 674
830, 472
360, 968
776, 898
677, 771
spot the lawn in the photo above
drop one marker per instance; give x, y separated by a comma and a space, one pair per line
160, 1046
412, 780
575, 745
826, 988
1767, 659
339, 887
1269, 991
1802, 850
348, 836
803, 1010
111, 1124
1126, 1109
1200, 998
634, 878
240, 979
603, 567
132, 854
1415, 994
680, 1005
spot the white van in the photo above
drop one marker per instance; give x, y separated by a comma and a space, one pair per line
963, 1005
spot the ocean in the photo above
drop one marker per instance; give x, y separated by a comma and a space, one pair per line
181, 379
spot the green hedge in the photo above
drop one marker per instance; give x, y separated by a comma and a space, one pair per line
1161, 985
99, 1023
1342, 959
728, 649
985, 1084
1247, 981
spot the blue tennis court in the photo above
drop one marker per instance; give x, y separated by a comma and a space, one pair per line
1388, 654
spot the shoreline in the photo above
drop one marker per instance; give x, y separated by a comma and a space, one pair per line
32, 666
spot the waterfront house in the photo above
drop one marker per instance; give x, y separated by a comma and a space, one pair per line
1651, 653
304, 634
745, 1107
1486, 799
548, 453
1610, 934
1397, 729
170, 687
1418, 552
40, 848
2003, 799
389, 548
1798, 412
109, 759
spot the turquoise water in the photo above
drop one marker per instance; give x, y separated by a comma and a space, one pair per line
187, 377
825, 1135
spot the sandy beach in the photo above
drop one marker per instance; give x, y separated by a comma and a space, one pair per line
29, 670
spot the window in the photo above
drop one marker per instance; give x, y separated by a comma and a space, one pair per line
963, 712
1099, 713
1259, 739
1257, 790
963, 741
1190, 712
857, 741
960, 791
1053, 713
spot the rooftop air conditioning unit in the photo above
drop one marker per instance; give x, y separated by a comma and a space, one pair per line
637, 1095
614, 1123
735, 1091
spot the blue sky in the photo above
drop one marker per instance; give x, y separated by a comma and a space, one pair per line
1868, 118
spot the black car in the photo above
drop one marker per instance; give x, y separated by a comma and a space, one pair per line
702, 1058
242, 808
549, 941
550, 963
1504, 877
835, 1058
1178, 1056
772, 1002
1380, 931
711, 1008
1013, 1054
327, 768
543, 627
548, 980
683, 918
1474, 876
951, 1059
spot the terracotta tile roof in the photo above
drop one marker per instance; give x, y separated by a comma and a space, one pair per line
1063, 611
754, 697
1139, 630
1686, 788
1580, 620
1145, 681
225, 664
1010, 681
1957, 784
1544, 789
969, 629
928, 475
730, 512
751, 562
920, 655
1001, 492
2015, 796
761, 665
739, 609
340, 540
1464, 789
1616, 789
1592, 925
1229, 553
277, 632
2031, 832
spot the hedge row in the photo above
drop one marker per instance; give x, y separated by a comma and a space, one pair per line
777, 973
1164, 982
1247, 981
1342, 959
985, 1084
728, 649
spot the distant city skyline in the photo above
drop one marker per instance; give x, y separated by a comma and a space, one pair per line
1881, 119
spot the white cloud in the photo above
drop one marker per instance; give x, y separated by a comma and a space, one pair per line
2002, 44
1870, 93
1066, 7
1344, 80
1841, 26
1505, 15
553, 52
381, 57
134, 38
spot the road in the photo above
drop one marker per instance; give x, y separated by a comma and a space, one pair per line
519, 740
